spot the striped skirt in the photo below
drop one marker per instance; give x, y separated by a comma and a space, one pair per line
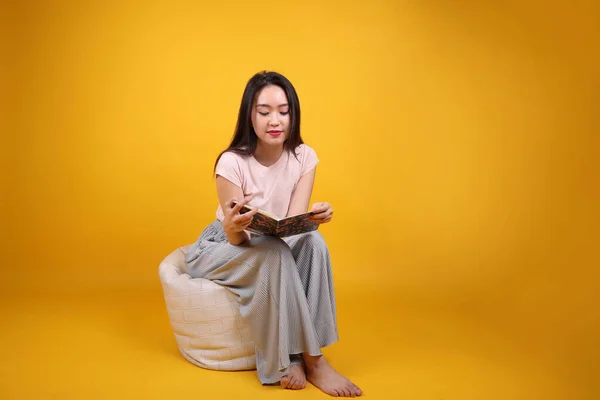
284, 289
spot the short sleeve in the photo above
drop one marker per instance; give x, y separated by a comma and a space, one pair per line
309, 159
229, 168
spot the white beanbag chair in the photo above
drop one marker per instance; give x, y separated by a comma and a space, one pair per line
205, 318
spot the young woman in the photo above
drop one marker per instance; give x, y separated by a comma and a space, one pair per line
284, 286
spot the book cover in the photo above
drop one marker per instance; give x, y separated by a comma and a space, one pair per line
265, 223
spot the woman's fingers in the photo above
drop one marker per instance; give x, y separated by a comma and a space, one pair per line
245, 217
318, 208
229, 203
243, 220
238, 205
234, 220
324, 216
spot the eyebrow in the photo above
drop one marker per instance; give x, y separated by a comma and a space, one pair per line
266, 105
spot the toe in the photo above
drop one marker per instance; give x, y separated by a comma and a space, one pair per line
294, 383
350, 389
357, 390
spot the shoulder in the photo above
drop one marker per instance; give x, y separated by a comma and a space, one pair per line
233, 167
307, 158
305, 152
230, 158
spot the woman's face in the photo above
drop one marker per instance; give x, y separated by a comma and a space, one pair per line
270, 116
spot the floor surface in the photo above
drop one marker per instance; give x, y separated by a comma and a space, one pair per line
120, 346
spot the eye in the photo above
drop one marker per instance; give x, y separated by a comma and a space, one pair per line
264, 114
284, 112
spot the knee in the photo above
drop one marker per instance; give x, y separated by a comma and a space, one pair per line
271, 246
313, 241
269, 243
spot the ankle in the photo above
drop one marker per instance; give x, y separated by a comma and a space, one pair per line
313, 361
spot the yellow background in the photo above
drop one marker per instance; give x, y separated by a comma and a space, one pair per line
459, 148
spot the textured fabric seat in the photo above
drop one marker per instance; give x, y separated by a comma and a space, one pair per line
205, 318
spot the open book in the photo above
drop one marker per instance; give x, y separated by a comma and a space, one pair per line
265, 223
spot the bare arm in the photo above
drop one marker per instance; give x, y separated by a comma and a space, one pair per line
233, 223
301, 197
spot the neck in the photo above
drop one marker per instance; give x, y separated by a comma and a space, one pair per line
267, 155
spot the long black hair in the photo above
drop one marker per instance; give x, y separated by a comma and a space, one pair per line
244, 139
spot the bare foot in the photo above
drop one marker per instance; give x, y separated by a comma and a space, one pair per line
295, 378
323, 376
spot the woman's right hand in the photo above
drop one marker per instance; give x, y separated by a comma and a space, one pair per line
234, 222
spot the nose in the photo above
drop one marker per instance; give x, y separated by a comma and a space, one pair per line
274, 120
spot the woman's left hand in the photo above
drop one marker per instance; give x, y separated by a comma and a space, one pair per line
322, 213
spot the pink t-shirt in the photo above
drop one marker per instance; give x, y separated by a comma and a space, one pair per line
272, 186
